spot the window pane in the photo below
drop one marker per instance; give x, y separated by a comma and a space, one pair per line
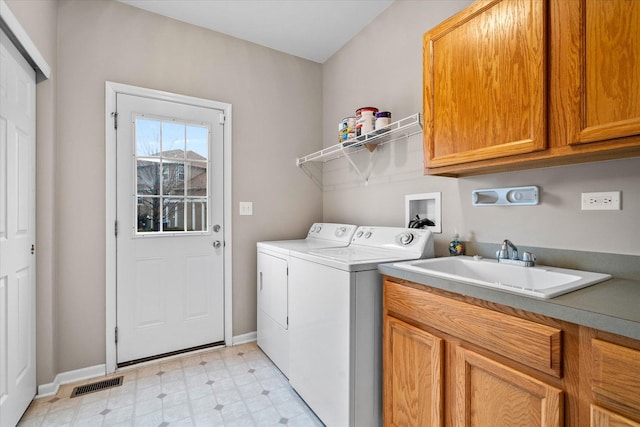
172, 178
196, 175
173, 144
148, 172
147, 137
173, 214
148, 214
196, 215
197, 142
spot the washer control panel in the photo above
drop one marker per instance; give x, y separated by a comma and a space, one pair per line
412, 240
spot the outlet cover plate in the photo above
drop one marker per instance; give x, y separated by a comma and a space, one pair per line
601, 201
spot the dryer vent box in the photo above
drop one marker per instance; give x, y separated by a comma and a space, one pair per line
425, 205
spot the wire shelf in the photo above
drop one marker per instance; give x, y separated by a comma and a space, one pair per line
403, 128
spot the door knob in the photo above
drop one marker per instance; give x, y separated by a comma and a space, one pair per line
217, 244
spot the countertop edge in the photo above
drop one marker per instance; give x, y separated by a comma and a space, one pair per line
566, 307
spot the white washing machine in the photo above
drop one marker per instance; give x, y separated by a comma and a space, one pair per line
335, 308
273, 285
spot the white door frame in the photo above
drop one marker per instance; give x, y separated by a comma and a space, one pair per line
111, 89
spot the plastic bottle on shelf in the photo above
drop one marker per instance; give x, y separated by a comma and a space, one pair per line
456, 247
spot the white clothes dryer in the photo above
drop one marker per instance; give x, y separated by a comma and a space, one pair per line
335, 308
273, 285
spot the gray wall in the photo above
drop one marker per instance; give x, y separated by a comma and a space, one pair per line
276, 101
382, 67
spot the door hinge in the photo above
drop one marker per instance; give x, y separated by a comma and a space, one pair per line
117, 333
115, 231
287, 271
115, 119
221, 118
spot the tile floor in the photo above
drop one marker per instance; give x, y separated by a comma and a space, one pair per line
233, 386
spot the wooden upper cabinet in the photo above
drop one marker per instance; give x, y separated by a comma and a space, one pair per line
602, 69
485, 91
516, 84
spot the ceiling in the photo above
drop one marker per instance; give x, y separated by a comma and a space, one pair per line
310, 29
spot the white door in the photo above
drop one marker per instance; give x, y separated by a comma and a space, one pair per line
170, 290
17, 234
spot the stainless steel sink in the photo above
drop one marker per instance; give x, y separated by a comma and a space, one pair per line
540, 281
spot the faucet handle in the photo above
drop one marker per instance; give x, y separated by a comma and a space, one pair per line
528, 256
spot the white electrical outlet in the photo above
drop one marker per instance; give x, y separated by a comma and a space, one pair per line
602, 201
246, 208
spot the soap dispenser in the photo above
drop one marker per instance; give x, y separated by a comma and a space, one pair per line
456, 247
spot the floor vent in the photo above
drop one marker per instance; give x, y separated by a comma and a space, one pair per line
97, 386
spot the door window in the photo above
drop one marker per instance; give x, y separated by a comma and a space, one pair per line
172, 175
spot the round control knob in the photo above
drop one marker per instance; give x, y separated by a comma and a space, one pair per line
367, 234
313, 228
340, 231
406, 238
318, 229
359, 233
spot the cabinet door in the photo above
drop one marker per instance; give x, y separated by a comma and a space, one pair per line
602, 418
491, 394
413, 369
485, 84
614, 374
606, 70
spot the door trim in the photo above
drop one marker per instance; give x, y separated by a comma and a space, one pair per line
21, 40
111, 89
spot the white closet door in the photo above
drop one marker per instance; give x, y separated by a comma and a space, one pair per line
17, 234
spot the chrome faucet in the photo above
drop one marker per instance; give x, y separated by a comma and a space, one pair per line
504, 251
528, 259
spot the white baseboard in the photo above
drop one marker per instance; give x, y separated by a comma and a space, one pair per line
45, 390
244, 338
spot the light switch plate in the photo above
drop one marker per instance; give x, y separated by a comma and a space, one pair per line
246, 208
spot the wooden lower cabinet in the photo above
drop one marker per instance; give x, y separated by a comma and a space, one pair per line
611, 382
603, 418
452, 360
489, 393
413, 392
